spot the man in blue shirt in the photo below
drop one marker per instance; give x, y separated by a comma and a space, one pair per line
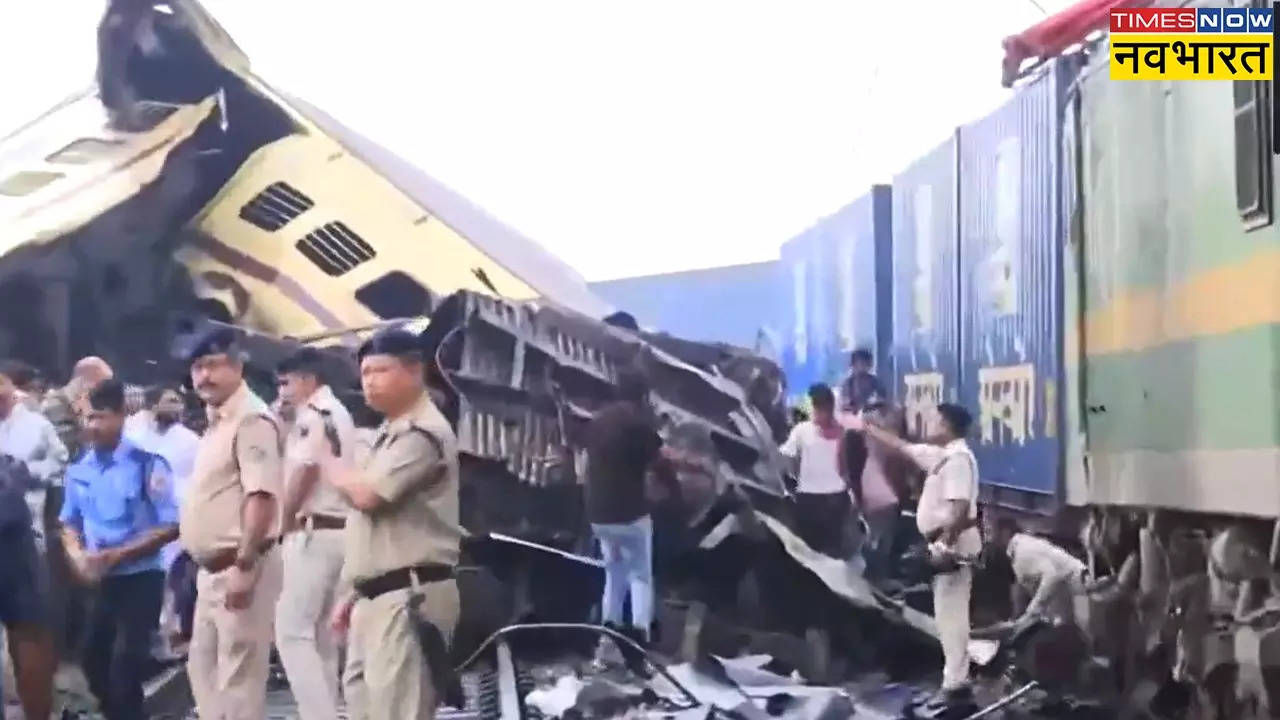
118, 513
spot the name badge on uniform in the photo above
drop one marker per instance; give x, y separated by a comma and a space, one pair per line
158, 484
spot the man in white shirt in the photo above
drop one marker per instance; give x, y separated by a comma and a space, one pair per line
158, 428
28, 437
1051, 577
947, 518
823, 503
315, 515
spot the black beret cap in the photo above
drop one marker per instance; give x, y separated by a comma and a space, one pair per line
399, 343
215, 341
956, 417
304, 359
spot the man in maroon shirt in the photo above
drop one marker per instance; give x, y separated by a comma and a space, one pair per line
622, 444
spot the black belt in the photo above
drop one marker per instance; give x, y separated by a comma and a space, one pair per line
402, 578
324, 522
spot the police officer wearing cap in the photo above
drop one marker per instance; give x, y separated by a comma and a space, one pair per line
229, 523
118, 513
402, 539
314, 518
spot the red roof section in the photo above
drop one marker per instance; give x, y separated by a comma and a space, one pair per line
1056, 33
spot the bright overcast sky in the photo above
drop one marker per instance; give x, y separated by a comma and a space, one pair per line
627, 137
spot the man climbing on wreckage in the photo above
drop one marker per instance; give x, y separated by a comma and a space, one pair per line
947, 518
623, 445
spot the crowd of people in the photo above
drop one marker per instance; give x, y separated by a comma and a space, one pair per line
853, 474
246, 527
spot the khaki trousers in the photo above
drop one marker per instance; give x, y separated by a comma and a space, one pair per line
308, 648
386, 676
951, 615
231, 649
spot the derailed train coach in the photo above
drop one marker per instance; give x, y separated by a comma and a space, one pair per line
227, 197
225, 200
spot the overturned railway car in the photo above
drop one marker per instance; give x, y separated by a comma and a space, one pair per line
228, 198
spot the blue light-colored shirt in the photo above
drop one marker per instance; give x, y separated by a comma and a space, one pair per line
115, 498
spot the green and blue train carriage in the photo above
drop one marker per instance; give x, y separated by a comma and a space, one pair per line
1093, 269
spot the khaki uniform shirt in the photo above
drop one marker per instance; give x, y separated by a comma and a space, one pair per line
307, 444
365, 437
952, 475
238, 455
413, 467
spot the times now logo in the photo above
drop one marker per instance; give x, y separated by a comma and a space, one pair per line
1192, 20
1170, 20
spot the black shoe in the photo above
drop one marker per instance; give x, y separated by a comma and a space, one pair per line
635, 657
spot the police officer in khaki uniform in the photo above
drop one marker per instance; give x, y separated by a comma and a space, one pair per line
314, 517
402, 539
229, 524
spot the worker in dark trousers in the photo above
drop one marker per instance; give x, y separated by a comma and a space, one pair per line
118, 514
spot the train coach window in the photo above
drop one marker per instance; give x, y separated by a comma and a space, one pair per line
1254, 168
26, 182
395, 295
84, 151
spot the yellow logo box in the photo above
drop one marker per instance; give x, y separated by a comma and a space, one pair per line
1192, 56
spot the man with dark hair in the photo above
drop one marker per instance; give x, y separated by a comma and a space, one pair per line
118, 514
314, 518
29, 438
859, 384
158, 428
230, 525
23, 572
1049, 579
876, 489
947, 518
823, 503
402, 541
622, 444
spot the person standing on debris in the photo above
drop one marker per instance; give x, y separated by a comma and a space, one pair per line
947, 518
874, 490
622, 444
859, 384
314, 518
229, 524
119, 512
1051, 577
823, 503
402, 540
